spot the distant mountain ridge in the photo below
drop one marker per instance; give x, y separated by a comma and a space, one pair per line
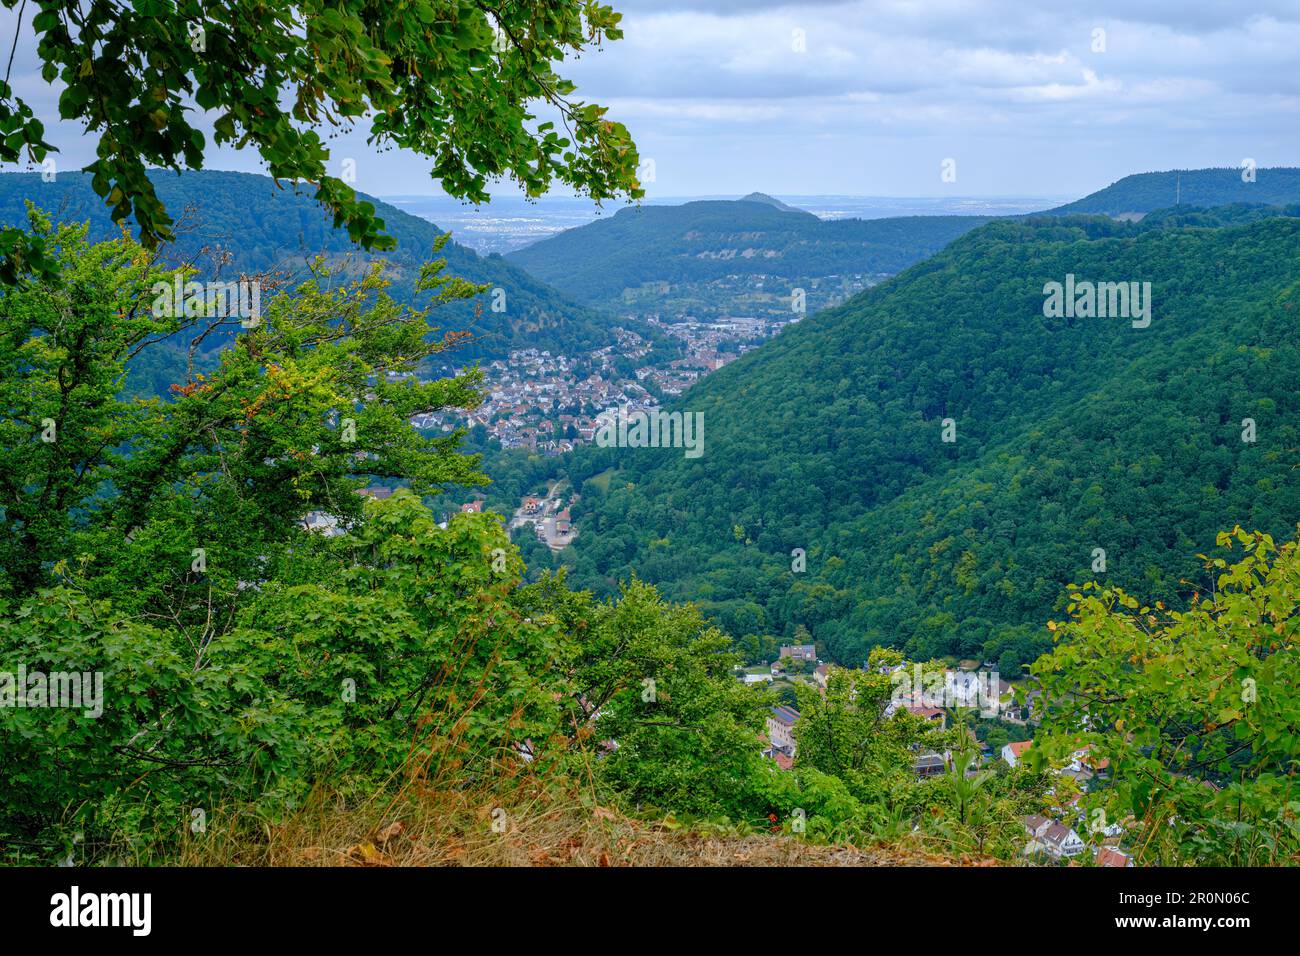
681, 253
264, 226
771, 201
711, 240
1146, 192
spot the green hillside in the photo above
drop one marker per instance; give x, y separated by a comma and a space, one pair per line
1145, 192
1072, 435
711, 257
265, 227
709, 241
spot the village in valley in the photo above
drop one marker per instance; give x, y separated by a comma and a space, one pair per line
548, 514
549, 404
1052, 836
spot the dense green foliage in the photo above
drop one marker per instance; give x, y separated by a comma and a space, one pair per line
348, 653
844, 732
236, 456
1197, 710
655, 687
700, 242
237, 223
156, 543
451, 80
1071, 435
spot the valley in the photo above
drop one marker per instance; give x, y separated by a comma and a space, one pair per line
425, 441
831, 435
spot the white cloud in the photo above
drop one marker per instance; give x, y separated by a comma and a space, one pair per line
718, 94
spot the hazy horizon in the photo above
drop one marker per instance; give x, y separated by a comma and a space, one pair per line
509, 223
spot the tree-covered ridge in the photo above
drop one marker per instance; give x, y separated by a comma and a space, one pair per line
701, 242
708, 240
1072, 434
771, 201
1146, 192
245, 223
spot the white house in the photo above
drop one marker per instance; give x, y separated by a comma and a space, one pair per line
1054, 839
1011, 752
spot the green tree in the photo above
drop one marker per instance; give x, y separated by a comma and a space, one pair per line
1197, 711
159, 544
397, 646
845, 732
298, 415
659, 682
452, 80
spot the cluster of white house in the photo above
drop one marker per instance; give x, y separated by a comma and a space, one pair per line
1047, 837
1057, 840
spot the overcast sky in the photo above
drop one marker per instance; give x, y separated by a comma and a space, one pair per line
870, 98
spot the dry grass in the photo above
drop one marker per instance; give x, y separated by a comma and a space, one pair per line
435, 813
516, 822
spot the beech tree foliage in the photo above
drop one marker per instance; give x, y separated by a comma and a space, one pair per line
1196, 710
240, 453
456, 81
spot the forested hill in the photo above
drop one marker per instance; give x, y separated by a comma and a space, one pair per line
1144, 192
1072, 434
703, 241
605, 262
772, 201
263, 227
